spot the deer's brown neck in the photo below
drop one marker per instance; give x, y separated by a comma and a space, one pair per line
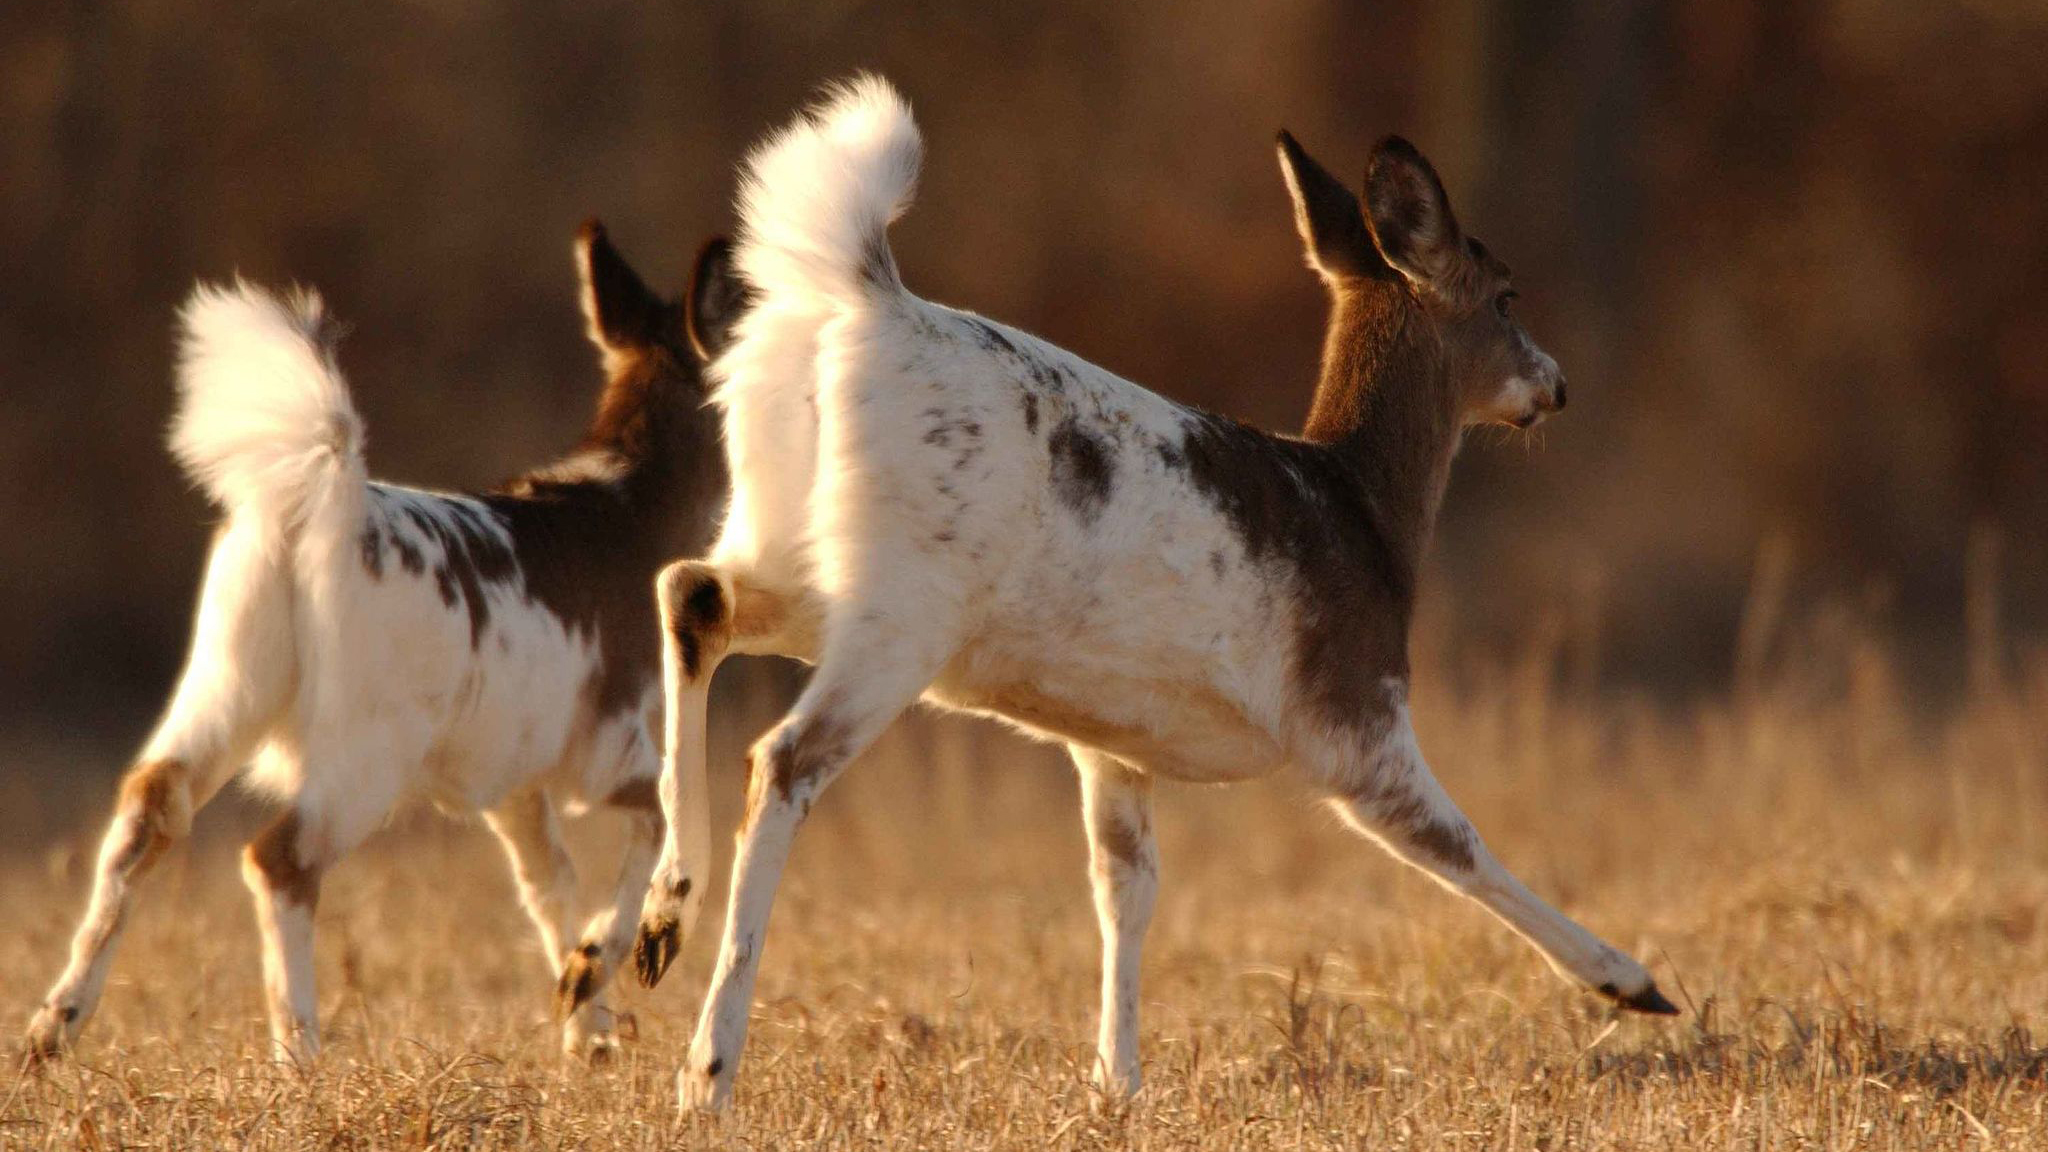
649, 466
1384, 404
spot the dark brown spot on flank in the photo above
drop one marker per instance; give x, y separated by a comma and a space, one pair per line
1031, 412
637, 794
372, 544
473, 557
1082, 471
274, 853
444, 583
410, 557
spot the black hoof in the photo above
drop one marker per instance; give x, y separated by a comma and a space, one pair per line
660, 940
1648, 1000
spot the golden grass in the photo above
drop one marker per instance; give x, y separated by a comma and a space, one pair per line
1853, 907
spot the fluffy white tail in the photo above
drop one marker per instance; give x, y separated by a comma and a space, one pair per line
264, 420
817, 199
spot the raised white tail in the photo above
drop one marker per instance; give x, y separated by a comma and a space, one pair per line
264, 421
817, 198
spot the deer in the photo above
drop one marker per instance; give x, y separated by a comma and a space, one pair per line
932, 505
359, 644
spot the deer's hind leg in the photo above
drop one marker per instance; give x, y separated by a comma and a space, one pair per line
529, 829
236, 683
1123, 864
879, 655
345, 797
593, 963
1383, 789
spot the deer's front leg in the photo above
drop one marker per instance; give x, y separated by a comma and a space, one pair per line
1385, 790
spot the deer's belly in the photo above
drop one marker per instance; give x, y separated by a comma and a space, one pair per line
1171, 728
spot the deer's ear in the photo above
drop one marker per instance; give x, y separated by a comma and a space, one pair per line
621, 314
1411, 215
718, 297
1333, 233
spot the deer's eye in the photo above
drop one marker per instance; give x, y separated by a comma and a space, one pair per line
1501, 302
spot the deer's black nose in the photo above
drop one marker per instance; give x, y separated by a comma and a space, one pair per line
1557, 400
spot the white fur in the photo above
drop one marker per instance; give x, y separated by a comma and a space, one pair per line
914, 486
355, 690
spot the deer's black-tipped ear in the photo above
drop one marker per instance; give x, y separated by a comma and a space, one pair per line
1411, 215
717, 299
1327, 215
621, 313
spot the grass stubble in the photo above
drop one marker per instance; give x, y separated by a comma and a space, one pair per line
1849, 900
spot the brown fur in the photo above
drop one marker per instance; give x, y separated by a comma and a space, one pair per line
149, 790
757, 611
587, 545
1083, 471
274, 854
1123, 842
152, 793
588, 548
698, 616
637, 795
582, 974
814, 746
1346, 510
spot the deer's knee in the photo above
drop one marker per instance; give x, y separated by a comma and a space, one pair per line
156, 797
274, 862
808, 752
697, 612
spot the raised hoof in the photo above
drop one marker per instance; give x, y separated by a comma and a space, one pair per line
582, 976
1648, 1000
660, 941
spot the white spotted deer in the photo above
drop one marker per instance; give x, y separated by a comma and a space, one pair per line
930, 504
368, 643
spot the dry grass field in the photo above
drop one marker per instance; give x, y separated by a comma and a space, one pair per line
1848, 896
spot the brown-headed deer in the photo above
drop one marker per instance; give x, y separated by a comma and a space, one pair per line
931, 504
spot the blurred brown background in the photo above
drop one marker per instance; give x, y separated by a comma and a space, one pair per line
1793, 255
